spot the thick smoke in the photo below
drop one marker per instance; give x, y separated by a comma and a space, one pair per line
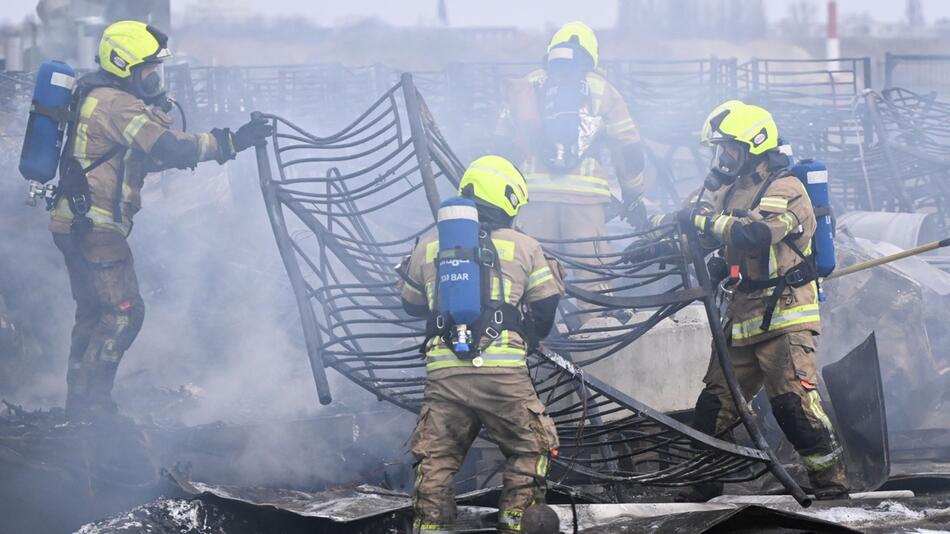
220, 317
222, 339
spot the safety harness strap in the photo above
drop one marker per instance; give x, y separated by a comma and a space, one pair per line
492, 322
57, 114
801, 274
497, 315
73, 177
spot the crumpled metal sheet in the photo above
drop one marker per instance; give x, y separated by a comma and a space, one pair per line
857, 395
907, 324
340, 505
337, 505
702, 518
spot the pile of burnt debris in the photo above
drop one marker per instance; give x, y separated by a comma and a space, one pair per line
58, 476
147, 478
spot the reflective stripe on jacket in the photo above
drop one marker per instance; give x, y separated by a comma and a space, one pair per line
109, 117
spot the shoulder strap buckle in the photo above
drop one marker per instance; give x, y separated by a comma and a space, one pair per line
795, 277
486, 257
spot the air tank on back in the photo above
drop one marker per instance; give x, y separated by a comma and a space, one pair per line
814, 174
49, 115
459, 271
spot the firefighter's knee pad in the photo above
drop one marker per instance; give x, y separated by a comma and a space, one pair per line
707, 412
791, 417
129, 316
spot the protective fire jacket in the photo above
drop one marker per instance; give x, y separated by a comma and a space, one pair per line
760, 239
587, 183
109, 116
528, 276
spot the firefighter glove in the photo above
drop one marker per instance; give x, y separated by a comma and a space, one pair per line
255, 132
635, 213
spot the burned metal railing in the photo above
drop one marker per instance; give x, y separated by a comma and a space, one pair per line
347, 207
912, 133
918, 72
820, 107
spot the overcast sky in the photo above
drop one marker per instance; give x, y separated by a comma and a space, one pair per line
523, 13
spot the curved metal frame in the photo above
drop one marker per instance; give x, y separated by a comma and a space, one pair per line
346, 190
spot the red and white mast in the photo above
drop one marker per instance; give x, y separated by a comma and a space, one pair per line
832, 43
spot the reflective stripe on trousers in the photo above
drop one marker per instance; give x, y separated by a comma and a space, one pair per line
818, 462
419, 527
807, 313
100, 217
510, 520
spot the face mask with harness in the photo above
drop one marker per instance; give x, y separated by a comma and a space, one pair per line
466, 307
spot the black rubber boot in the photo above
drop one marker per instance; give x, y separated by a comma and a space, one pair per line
704, 420
830, 483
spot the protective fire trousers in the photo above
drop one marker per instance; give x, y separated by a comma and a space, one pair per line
582, 223
455, 408
786, 366
109, 314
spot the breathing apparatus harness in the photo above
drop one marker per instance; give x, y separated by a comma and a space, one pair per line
799, 275
73, 177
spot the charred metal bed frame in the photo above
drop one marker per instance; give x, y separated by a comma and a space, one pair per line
342, 208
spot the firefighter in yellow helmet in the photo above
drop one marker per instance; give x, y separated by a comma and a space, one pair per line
557, 121
489, 389
119, 132
762, 221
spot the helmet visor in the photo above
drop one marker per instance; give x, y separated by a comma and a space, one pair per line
729, 158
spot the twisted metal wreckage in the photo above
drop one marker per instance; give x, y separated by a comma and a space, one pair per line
338, 208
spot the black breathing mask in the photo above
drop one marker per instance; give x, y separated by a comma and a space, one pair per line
150, 85
730, 160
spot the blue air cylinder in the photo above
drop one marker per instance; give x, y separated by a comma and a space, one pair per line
49, 114
814, 174
458, 269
